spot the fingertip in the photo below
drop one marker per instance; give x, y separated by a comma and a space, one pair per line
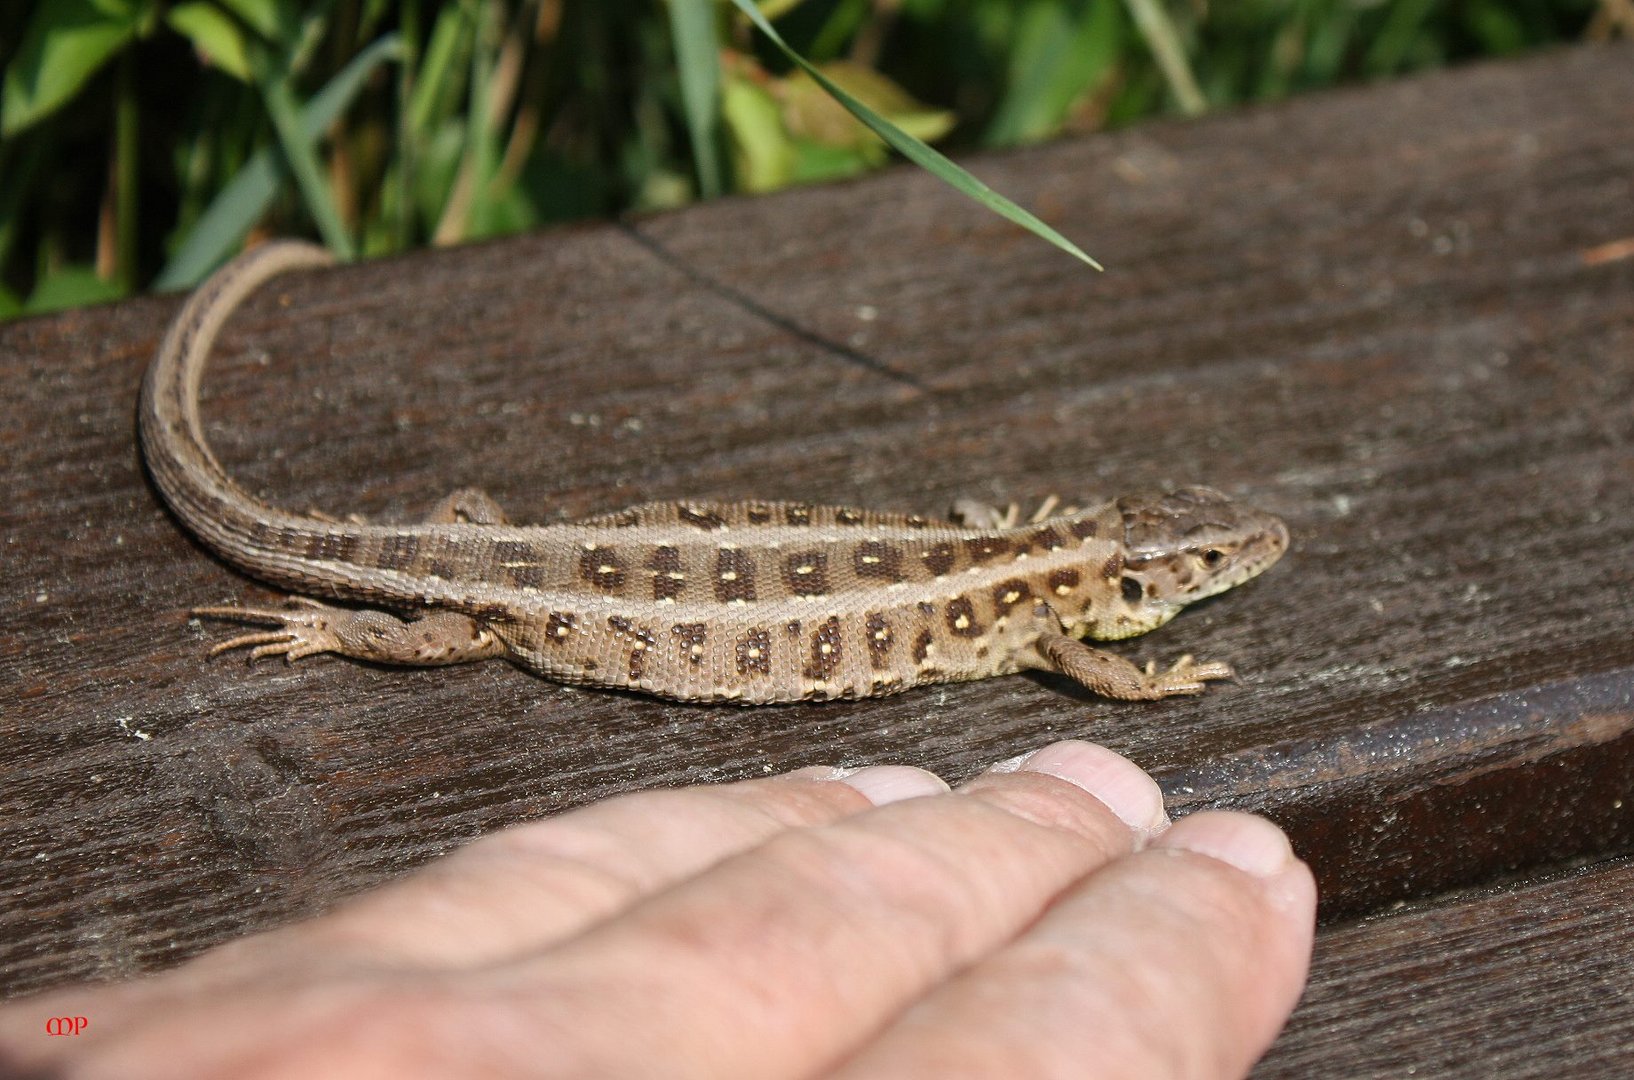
1252, 844
1121, 785
1248, 842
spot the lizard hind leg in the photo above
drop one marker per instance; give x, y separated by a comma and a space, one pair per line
440, 638
1112, 676
471, 505
468, 505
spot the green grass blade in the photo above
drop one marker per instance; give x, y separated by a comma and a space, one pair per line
1164, 41
301, 156
241, 203
1057, 56
697, 58
914, 150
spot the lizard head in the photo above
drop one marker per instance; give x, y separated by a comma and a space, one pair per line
1179, 547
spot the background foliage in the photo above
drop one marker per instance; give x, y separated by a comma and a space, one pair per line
141, 141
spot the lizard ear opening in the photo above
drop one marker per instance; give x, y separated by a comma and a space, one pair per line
1133, 590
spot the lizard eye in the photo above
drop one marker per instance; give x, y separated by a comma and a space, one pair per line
1212, 557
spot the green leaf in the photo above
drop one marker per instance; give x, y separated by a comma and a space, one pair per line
697, 58
914, 150
242, 202
764, 155
1054, 62
1499, 30
812, 113
269, 18
214, 35
815, 163
71, 287
62, 47
1404, 27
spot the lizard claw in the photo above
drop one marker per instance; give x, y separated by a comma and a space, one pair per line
441, 637
301, 632
1186, 676
979, 515
975, 514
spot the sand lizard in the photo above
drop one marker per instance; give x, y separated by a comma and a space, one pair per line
748, 602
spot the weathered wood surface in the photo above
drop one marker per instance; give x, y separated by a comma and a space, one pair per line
1397, 316
1513, 982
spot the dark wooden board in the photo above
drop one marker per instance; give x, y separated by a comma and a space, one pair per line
1515, 983
1389, 314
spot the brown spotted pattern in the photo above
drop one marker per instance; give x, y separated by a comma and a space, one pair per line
877, 560
692, 638
638, 639
1046, 539
1010, 592
962, 621
1063, 581
754, 652
332, 547
826, 650
734, 576
879, 636
939, 558
668, 579
559, 627
398, 552
984, 549
701, 517
805, 573
601, 567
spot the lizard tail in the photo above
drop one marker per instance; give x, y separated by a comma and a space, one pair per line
241, 528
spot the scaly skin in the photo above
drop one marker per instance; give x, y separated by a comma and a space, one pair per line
750, 602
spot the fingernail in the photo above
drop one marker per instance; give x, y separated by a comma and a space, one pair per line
881, 784
1112, 778
1246, 841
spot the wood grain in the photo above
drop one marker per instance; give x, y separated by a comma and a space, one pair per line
1519, 981
1395, 316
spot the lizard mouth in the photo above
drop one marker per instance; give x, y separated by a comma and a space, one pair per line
1257, 554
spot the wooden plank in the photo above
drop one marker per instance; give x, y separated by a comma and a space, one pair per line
1513, 982
1390, 315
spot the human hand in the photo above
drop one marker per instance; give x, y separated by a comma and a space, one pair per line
1042, 920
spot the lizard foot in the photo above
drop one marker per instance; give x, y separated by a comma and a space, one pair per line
1109, 674
980, 515
330, 519
468, 505
440, 638
1187, 676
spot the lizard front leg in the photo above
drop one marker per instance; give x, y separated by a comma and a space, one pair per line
1112, 676
443, 637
